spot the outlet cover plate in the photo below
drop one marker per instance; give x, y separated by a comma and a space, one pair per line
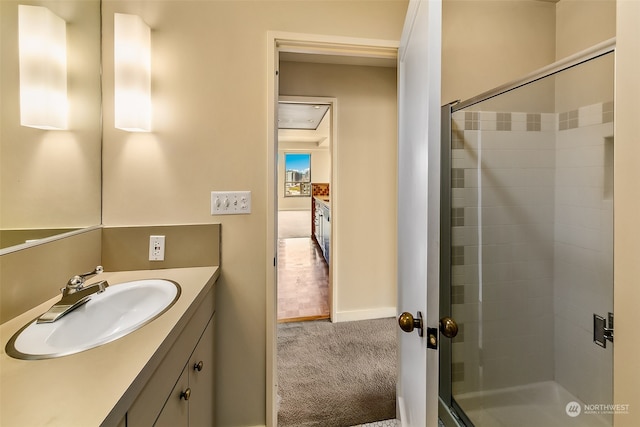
156, 248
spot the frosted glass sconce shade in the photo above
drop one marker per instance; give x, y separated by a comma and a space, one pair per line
42, 46
132, 61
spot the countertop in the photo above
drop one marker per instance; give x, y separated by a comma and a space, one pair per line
323, 200
96, 385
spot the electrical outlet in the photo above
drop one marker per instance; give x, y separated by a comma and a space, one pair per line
156, 248
230, 202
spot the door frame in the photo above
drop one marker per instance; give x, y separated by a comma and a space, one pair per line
314, 44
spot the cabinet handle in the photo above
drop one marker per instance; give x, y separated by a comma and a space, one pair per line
186, 394
198, 366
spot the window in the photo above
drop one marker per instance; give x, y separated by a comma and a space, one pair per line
297, 181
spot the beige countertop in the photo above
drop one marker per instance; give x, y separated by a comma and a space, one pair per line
99, 384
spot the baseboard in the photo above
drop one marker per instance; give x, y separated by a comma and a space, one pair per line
371, 313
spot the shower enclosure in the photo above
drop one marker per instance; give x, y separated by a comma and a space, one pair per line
527, 249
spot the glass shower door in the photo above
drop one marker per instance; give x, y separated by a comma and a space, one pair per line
529, 253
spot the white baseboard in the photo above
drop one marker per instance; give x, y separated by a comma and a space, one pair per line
371, 313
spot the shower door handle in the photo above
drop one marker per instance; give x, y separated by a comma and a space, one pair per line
448, 327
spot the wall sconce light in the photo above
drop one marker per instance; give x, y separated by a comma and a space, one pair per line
132, 61
42, 46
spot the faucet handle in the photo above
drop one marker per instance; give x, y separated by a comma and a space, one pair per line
97, 270
77, 281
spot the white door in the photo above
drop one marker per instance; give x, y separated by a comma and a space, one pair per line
419, 208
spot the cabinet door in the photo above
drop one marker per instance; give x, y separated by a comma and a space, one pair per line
176, 411
202, 380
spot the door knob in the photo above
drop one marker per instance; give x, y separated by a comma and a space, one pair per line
448, 327
408, 323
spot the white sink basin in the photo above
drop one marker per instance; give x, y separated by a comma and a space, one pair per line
119, 310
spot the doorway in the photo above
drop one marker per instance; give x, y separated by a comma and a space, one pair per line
331, 49
304, 180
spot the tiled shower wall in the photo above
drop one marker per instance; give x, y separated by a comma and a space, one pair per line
503, 194
538, 203
583, 267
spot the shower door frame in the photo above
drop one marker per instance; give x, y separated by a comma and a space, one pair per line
448, 409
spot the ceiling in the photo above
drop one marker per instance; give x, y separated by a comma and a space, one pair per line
304, 123
300, 116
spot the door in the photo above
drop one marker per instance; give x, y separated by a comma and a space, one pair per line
419, 208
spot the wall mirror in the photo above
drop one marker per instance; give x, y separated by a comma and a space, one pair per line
50, 180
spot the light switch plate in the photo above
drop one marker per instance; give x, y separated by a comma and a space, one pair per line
230, 202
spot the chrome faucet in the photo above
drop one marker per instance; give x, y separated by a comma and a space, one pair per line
76, 283
74, 294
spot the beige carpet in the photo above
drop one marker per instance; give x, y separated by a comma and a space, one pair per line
293, 224
336, 374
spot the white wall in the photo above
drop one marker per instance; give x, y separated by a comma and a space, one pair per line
365, 158
209, 61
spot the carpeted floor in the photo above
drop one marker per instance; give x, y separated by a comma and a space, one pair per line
336, 374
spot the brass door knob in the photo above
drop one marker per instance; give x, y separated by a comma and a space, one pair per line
408, 323
198, 366
448, 327
186, 394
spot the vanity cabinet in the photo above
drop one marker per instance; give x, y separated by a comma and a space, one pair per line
190, 403
181, 390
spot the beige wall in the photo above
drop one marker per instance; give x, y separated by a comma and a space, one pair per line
491, 42
210, 133
31, 276
581, 24
364, 239
626, 374
51, 179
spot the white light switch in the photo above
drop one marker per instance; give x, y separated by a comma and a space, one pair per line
230, 202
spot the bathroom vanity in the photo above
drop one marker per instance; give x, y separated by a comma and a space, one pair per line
162, 372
